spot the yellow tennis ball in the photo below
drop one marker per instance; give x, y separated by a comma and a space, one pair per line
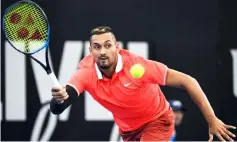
137, 71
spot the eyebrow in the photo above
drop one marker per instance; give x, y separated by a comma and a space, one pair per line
107, 41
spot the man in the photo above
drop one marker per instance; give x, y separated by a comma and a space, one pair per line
138, 105
178, 110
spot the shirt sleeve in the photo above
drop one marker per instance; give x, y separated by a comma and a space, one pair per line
79, 80
154, 72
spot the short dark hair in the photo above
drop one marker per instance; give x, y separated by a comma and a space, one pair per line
101, 30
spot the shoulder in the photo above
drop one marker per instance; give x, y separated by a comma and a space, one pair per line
86, 68
83, 75
86, 62
128, 57
127, 54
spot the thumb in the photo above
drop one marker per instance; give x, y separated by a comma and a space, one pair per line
210, 137
64, 88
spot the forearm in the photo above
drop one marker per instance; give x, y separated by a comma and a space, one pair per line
198, 96
181, 80
58, 108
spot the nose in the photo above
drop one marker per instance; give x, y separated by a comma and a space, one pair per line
103, 51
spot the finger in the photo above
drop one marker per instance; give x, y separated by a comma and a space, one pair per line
63, 91
220, 137
58, 88
55, 89
66, 97
226, 136
60, 96
59, 100
210, 137
230, 127
59, 93
229, 133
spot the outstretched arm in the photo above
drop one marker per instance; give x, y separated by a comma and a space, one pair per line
69, 93
216, 126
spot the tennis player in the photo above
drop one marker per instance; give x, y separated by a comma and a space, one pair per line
138, 105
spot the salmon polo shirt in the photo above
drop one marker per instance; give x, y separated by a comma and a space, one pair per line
132, 101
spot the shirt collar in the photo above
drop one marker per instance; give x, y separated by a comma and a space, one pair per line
117, 69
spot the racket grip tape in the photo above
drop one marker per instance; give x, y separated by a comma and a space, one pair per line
54, 80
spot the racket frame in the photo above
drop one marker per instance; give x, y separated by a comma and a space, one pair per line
46, 67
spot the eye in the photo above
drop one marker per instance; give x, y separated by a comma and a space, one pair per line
108, 45
96, 46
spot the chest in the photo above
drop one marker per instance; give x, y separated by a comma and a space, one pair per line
120, 88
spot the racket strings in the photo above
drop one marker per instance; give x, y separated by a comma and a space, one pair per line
26, 27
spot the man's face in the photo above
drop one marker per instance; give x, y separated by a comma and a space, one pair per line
178, 115
104, 49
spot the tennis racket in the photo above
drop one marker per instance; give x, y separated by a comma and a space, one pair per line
27, 29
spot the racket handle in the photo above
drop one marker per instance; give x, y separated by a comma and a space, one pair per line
54, 80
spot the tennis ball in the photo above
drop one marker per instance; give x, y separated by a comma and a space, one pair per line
137, 71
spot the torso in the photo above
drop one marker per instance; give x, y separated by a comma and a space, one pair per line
131, 102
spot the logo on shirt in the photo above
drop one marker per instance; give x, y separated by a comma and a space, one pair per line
126, 85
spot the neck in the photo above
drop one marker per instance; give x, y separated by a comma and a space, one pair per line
110, 71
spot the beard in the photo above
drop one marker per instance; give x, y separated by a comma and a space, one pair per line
104, 64
104, 67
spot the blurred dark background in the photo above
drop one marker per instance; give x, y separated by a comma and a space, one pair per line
195, 37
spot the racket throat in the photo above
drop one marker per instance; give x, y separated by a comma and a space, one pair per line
27, 46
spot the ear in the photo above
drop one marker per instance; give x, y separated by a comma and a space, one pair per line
118, 47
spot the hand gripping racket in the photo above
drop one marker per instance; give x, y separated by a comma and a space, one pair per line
27, 29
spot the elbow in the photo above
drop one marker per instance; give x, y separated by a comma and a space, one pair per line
179, 79
188, 81
191, 79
